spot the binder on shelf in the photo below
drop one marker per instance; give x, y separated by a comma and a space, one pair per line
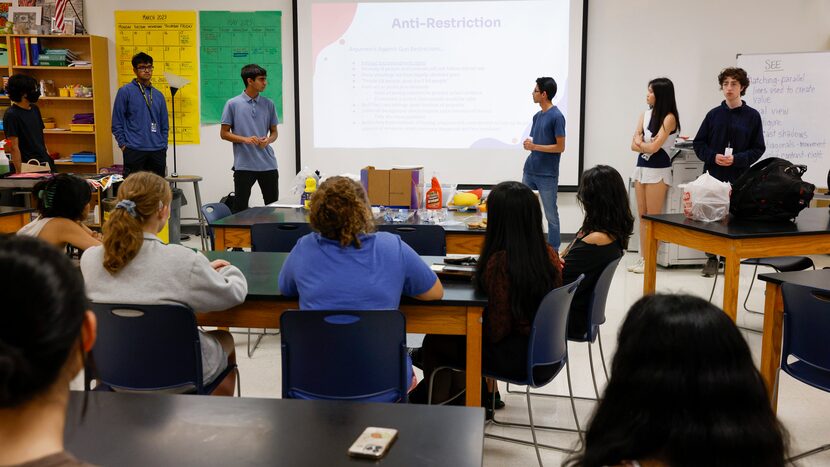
83, 156
24, 56
35, 51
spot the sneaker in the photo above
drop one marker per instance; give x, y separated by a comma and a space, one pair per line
639, 268
639, 264
711, 267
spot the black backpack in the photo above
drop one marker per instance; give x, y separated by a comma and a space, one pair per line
771, 190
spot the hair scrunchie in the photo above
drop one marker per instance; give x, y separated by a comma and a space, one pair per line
127, 205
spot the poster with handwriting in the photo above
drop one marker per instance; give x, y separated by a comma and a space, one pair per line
231, 40
170, 38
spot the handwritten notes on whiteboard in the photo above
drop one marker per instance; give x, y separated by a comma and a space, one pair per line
791, 91
170, 38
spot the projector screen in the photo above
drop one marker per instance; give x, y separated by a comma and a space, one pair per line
443, 85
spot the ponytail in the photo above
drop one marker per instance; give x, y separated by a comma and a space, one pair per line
139, 198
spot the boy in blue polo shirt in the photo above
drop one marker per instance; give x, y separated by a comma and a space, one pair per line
546, 144
249, 121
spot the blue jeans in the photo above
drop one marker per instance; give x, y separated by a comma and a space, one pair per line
548, 187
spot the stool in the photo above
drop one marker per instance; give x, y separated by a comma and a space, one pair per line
194, 179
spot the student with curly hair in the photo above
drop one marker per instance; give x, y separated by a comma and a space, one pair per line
46, 332
62, 206
683, 392
345, 264
134, 267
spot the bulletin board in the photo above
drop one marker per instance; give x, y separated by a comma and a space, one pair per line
170, 38
231, 40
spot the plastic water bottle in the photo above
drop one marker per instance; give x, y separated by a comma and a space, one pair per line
4, 160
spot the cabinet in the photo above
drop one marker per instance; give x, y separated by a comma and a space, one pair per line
92, 49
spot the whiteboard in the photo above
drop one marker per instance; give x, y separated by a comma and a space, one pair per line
791, 91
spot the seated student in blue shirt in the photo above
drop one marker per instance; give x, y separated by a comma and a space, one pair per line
343, 265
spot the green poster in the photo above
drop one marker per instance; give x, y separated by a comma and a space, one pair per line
229, 41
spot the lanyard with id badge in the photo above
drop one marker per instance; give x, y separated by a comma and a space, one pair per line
154, 127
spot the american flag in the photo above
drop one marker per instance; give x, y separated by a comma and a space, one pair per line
60, 10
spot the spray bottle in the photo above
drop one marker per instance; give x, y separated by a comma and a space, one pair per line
434, 196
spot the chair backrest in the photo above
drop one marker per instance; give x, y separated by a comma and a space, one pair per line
425, 239
147, 347
548, 345
277, 237
213, 212
344, 355
599, 297
806, 327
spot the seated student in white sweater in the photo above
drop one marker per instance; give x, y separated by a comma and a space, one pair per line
135, 267
62, 206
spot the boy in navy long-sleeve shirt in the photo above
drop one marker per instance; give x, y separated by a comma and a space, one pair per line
730, 139
733, 124
139, 121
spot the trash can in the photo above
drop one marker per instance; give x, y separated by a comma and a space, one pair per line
175, 223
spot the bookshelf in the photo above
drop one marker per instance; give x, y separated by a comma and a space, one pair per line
88, 48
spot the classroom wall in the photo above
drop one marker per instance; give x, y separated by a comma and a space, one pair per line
629, 43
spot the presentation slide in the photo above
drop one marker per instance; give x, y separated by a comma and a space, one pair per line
446, 85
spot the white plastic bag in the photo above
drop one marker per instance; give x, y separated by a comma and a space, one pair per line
298, 186
706, 199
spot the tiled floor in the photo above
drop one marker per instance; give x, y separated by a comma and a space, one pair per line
804, 411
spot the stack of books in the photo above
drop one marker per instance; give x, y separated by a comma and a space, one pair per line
56, 57
84, 122
26, 51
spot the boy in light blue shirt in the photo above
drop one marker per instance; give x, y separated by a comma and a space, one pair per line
249, 121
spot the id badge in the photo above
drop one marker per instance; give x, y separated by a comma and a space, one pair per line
154, 128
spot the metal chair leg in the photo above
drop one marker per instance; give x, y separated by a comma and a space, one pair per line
256, 344
532, 426
573, 403
714, 284
749, 291
809, 453
238, 383
593, 375
602, 354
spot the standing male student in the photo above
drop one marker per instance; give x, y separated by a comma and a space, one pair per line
546, 144
730, 139
249, 121
23, 123
139, 121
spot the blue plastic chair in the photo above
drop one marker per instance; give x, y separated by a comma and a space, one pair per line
804, 354
344, 355
425, 239
277, 237
213, 212
148, 348
547, 350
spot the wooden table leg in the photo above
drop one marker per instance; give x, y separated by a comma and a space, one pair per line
219, 239
474, 318
771, 341
650, 258
731, 276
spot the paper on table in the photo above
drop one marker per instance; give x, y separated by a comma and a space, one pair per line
276, 204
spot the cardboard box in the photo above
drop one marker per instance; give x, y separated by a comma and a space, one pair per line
399, 188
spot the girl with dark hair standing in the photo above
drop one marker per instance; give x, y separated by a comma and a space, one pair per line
602, 238
62, 205
655, 135
45, 333
683, 392
516, 269
135, 267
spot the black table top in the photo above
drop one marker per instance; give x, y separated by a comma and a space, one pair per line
12, 210
819, 279
810, 221
262, 271
182, 430
266, 214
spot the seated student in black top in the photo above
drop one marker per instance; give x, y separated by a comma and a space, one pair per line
683, 392
602, 238
46, 330
23, 123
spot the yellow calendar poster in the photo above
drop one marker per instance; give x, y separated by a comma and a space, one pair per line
170, 38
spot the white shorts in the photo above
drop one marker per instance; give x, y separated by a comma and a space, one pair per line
649, 175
